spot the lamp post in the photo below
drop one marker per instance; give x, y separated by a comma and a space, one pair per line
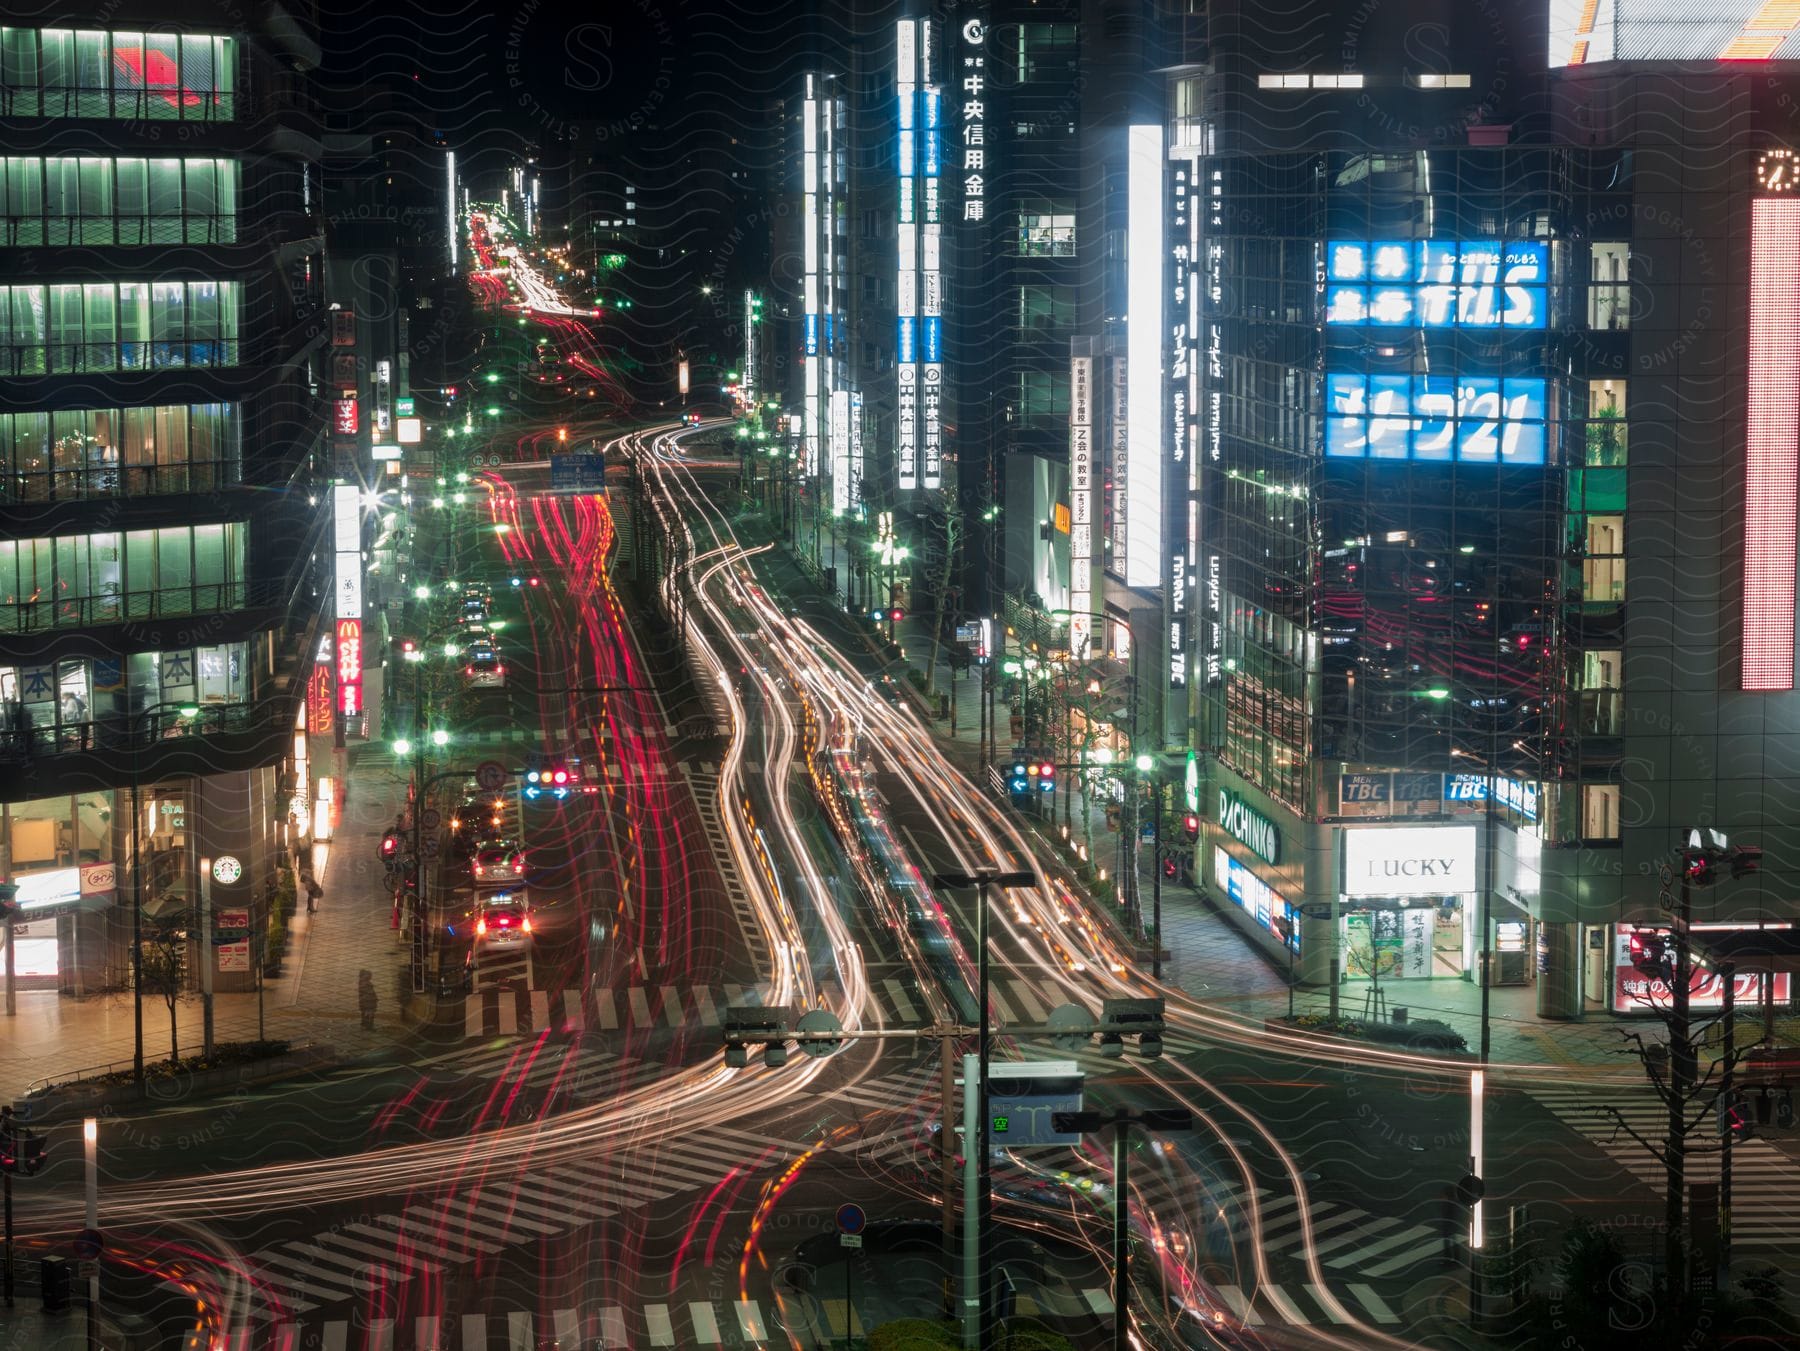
978, 1243
1151, 1118
137, 887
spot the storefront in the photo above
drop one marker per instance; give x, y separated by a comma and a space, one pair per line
1643, 967
1407, 905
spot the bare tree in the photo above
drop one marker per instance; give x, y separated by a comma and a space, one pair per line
946, 537
165, 967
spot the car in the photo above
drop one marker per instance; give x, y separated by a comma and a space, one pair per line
503, 921
496, 863
889, 689
483, 666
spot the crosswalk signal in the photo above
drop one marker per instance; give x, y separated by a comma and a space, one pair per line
1735, 1120
1046, 777
896, 615
1190, 827
390, 845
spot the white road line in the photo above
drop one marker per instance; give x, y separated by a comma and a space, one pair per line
640, 1006
1240, 1305
567, 1327
410, 1225
519, 1331
1283, 1305
607, 1010
750, 1320
671, 1003
612, 1327
662, 1331
1099, 1301
474, 1332
1415, 1234
1379, 1311
1376, 1223
902, 1004
706, 1327
709, 1011
1419, 1253
1326, 1304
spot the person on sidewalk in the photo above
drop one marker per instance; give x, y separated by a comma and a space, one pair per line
366, 999
313, 892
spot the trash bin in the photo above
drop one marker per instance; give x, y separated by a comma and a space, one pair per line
1399, 1015
55, 1278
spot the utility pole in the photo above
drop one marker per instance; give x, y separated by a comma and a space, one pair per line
1681, 1075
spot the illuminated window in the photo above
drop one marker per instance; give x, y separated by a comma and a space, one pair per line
1606, 425
1047, 231
1047, 51
66, 201
1600, 811
1043, 395
1602, 692
56, 72
1427, 81
1609, 286
78, 580
1600, 543
1046, 309
109, 326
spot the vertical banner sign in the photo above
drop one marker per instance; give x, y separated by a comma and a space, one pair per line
931, 299
854, 490
1081, 506
906, 281
1180, 365
450, 203
809, 157
973, 90
1143, 356
840, 451
318, 700
1118, 464
1212, 638
346, 507
1772, 456
832, 332
349, 667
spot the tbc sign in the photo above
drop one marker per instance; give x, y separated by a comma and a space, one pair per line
1243, 822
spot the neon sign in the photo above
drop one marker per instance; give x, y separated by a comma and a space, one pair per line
1435, 283
1470, 419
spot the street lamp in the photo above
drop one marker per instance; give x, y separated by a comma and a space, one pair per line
977, 1138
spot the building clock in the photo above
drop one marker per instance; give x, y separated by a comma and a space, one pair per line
1776, 170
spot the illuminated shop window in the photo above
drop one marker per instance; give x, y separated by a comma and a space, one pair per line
61, 72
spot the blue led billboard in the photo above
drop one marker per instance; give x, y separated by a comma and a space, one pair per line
1467, 419
1435, 283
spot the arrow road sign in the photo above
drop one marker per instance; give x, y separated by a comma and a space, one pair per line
490, 775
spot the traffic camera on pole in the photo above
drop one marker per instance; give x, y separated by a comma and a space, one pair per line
1121, 1018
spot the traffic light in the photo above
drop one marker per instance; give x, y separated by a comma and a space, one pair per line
548, 778
1170, 867
896, 615
1019, 782
1735, 1120
1190, 826
1046, 777
390, 845
1650, 955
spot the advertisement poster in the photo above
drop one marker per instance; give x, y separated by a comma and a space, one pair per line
1415, 943
235, 955
1637, 991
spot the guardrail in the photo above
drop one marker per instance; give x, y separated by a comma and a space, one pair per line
44, 1085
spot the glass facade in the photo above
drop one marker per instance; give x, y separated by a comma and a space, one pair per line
79, 704
118, 326
72, 73
1418, 496
77, 580
119, 452
67, 199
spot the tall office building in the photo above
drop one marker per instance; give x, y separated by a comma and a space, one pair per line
160, 421
1495, 483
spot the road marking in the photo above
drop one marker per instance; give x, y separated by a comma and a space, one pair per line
640, 1006
1420, 1252
1099, 1301
671, 1002
334, 1336
897, 993
607, 1009
567, 1327
1371, 1301
380, 1336
706, 1327
1376, 1223
518, 1331
1283, 1305
1022, 992
1240, 1305
612, 1327
662, 1331
1415, 1234
474, 1336
287, 1338
709, 1011
1327, 1302
750, 1320
408, 1223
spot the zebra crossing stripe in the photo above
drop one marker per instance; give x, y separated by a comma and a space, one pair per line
411, 1223
1283, 1305
380, 1336
334, 1337
671, 1002
1099, 1301
387, 1255
612, 1326
1375, 1223
518, 1329
662, 1330
474, 1331
1240, 1305
1417, 1253
999, 1003
567, 1327
425, 1329
897, 993
1325, 1301
706, 1327
1022, 992
749, 1318
287, 1338
709, 1011
607, 1010
406, 1246
640, 1006
1418, 1233
1378, 1310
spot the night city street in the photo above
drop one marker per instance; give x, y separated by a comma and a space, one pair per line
1025, 675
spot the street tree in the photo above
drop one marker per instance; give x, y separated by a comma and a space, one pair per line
945, 527
164, 964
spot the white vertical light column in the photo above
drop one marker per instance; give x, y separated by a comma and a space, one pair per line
450, 203
906, 288
829, 374
809, 155
1143, 356
1772, 449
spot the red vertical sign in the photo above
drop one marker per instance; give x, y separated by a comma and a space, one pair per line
349, 667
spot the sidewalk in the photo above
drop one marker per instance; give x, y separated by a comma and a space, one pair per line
314, 999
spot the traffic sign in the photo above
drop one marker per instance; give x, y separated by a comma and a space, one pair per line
1470, 1190
851, 1219
433, 818
850, 1240
432, 846
89, 1244
490, 775
820, 1020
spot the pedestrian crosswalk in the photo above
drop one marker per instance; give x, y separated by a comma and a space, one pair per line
1765, 1183
500, 1011
750, 1322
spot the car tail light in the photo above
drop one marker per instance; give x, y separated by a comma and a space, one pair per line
480, 927
518, 867
506, 921
525, 924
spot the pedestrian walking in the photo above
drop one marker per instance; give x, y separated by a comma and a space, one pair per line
365, 999
313, 892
